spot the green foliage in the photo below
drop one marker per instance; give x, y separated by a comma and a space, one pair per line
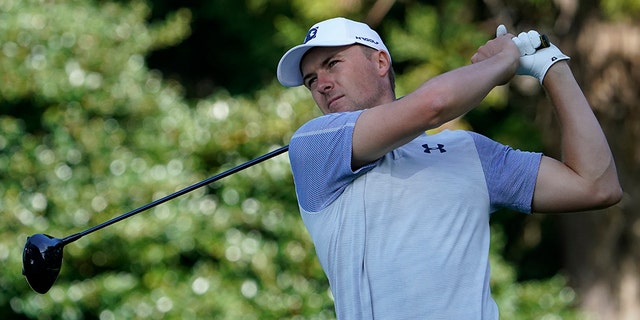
88, 131
430, 41
534, 299
232, 45
617, 10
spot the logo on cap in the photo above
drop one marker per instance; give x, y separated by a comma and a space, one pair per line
367, 39
310, 35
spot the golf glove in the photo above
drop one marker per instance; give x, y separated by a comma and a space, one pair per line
534, 62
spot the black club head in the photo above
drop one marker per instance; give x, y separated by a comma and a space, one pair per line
41, 261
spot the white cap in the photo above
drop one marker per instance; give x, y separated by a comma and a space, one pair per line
329, 33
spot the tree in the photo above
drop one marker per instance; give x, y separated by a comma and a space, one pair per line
89, 129
602, 257
599, 255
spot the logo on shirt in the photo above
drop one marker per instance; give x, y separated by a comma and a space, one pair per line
440, 147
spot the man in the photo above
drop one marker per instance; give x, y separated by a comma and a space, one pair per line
400, 219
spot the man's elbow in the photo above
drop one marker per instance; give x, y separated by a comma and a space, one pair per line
607, 195
615, 196
439, 109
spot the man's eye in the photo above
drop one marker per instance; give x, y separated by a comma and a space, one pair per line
310, 82
332, 63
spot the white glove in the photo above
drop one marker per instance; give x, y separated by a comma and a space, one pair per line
534, 62
537, 64
527, 42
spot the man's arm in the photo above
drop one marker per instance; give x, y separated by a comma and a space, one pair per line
586, 176
441, 99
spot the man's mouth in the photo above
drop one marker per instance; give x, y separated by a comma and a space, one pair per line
332, 101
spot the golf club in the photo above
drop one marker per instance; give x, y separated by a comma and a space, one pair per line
42, 255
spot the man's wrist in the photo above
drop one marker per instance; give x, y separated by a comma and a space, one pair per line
556, 72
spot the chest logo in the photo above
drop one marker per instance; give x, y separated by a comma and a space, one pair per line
440, 147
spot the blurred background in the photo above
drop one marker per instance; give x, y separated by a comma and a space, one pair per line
108, 105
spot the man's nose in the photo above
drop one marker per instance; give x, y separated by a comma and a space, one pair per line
325, 82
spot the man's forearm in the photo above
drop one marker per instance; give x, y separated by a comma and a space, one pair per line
583, 144
456, 92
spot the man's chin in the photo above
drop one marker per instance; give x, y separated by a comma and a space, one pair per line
339, 107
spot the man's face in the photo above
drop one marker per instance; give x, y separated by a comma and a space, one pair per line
344, 78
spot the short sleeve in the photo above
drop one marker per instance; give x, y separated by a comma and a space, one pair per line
320, 156
510, 174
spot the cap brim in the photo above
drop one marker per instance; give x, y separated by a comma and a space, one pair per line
288, 72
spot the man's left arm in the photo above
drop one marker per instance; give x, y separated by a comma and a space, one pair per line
585, 178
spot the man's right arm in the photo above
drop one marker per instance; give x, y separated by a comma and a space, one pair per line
439, 100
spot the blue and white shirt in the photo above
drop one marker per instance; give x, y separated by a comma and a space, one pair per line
407, 237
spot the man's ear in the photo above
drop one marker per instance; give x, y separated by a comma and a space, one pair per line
384, 62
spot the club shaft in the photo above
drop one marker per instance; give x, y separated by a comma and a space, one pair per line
176, 194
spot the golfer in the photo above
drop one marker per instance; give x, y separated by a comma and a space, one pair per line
399, 218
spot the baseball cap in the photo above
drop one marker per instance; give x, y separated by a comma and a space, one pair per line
328, 33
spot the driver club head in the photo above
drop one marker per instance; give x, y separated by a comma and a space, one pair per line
41, 261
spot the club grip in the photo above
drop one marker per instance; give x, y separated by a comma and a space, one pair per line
544, 42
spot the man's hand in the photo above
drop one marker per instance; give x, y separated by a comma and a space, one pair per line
538, 64
533, 62
504, 52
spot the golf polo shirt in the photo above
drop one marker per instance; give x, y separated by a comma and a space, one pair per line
407, 237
